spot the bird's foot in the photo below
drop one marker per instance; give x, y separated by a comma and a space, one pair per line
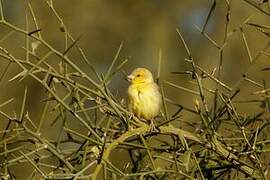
152, 127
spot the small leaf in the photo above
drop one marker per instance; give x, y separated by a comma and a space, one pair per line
34, 46
186, 159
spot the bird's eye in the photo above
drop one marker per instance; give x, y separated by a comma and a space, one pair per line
138, 75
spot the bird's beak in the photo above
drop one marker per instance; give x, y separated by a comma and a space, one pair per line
130, 77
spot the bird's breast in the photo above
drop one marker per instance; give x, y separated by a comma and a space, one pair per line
144, 101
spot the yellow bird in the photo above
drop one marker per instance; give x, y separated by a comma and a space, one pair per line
144, 98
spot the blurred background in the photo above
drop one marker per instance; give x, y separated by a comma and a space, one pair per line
146, 28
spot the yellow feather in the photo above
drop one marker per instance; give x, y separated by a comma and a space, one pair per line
143, 94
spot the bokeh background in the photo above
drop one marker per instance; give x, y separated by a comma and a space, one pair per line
146, 28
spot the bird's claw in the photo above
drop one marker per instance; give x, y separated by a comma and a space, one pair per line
152, 127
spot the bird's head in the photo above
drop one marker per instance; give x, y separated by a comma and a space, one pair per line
140, 75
